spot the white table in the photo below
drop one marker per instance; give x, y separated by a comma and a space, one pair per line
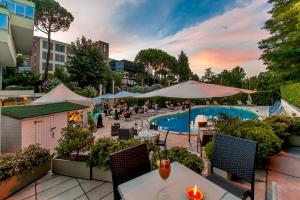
148, 135
148, 186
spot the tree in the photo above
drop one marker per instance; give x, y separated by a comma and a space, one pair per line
195, 77
184, 67
160, 61
50, 17
209, 76
86, 64
281, 51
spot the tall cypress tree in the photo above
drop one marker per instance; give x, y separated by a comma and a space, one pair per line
184, 67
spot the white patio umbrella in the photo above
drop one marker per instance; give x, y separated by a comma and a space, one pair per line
195, 90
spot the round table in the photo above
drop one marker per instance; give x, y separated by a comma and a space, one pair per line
148, 135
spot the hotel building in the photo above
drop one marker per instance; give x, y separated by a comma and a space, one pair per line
16, 31
58, 55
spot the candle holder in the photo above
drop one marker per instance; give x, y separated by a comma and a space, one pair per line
193, 193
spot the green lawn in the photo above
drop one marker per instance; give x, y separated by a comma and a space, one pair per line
291, 93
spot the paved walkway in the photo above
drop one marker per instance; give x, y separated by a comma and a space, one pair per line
56, 187
284, 169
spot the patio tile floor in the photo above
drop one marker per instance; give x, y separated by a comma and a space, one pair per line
57, 187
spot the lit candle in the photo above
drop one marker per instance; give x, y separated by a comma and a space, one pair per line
194, 193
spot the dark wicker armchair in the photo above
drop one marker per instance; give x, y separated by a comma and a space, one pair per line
163, 143
125, 165
237, 157
124, 134
153, 127
115, 129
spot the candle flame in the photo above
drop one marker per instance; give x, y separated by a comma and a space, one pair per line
195, 190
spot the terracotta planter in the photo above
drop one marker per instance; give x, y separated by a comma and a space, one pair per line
294, 140
71, 168
15, 183
98, 173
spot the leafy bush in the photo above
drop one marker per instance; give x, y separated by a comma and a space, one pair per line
268, 142
50, 84
74, 139
295, 127
262, 132
88, 91
281, 125
12, 164
180, 155
99, 153
208, 149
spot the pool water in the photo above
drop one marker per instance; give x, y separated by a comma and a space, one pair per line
179, 122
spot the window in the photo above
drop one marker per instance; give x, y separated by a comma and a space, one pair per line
50, 66
60, 48
29, 12
45, 56
45, 45
59, 58
3, 22
20, 9
11, 6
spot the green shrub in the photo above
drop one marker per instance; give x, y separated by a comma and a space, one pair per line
268, 142
281, 125
262, 132
12, 164
99, 153
74, 139
50, 84
208, 149
88, 91
295, 127
180, 155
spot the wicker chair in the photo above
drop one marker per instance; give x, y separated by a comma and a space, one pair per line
237, 157
163, 143
153, 127
124, 134
125, 165
115, 129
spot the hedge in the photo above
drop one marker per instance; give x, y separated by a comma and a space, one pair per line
291, 93
12, 164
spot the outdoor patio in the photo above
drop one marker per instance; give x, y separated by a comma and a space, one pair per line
52, 186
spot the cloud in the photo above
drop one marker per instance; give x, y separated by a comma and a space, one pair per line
220, 42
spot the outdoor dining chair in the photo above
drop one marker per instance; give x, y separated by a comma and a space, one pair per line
125, 165
115, 129
153, 127
124, 134
163, 143
235, 156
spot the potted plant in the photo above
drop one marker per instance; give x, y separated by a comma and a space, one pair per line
71, 157
181, 155
99, 160
294, 139
21, 168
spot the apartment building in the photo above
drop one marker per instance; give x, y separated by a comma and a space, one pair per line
58, 55
16, 30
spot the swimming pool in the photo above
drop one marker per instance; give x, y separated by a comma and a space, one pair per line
179, 122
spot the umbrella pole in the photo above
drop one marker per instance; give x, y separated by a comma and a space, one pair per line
189, 125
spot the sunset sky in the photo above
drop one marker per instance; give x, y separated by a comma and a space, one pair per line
218, 34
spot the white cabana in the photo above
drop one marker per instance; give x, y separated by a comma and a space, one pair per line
62, 94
